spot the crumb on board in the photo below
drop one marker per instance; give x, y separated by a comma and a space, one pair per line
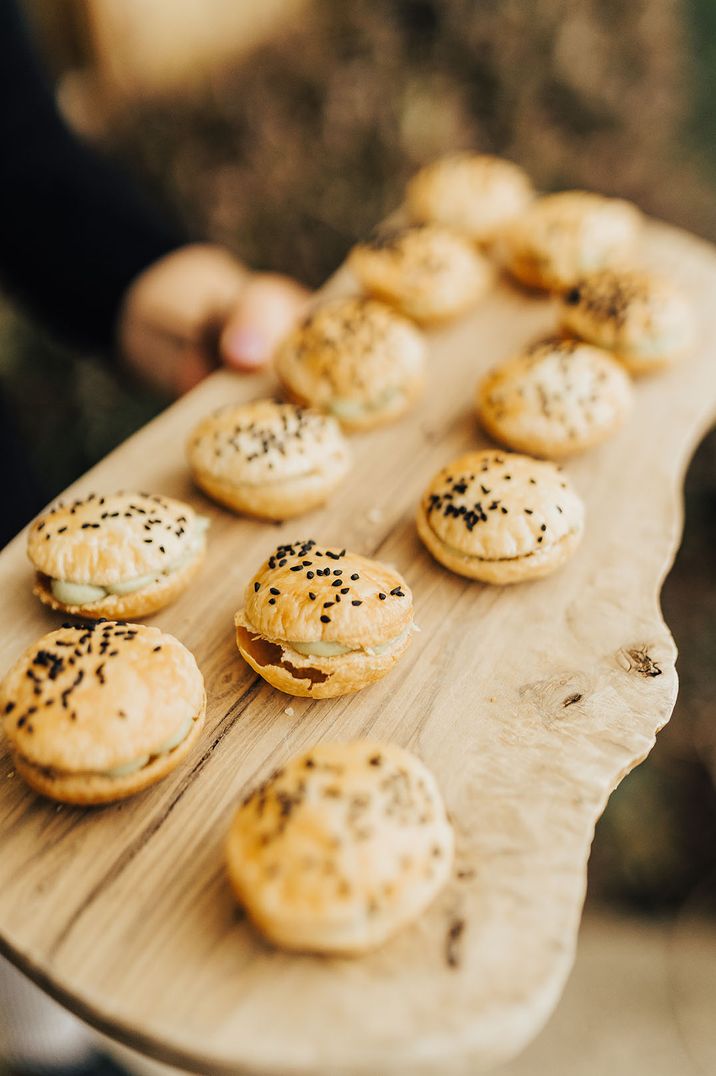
374, 515
289, 711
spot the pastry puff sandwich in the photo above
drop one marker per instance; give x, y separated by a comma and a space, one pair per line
476, 194
428, 272
269, 460
119, 555
500, 518
557, 398
97, 712
640, 316
322, 622
561, 237
355, 359
341, 848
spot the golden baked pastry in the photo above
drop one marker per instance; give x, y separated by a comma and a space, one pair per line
428, 272
97, 712
500, 517
116, 555
639, 315
561, 237
355, 359
340, 848
321, 622
557, 398
476, 194
267, 459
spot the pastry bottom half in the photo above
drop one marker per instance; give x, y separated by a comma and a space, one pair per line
501, 572
313, 677
139, 603
87, 789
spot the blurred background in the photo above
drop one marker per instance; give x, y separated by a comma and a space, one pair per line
286, 130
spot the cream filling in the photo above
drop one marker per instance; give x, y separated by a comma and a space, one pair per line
658, 345
493, 560
165, 748
320, 649
272, 481
343, 407
70, 593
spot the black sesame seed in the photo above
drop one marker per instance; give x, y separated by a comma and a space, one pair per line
256, 587
356, 602
312, 596
382, 596
325, 619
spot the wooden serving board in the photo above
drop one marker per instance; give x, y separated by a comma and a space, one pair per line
530, 703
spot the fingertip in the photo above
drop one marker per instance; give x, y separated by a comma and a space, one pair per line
244, 347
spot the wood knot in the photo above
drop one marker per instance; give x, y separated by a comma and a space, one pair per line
455, 931
638, 660
550, 698
571, 699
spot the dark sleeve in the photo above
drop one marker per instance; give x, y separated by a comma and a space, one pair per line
74, 231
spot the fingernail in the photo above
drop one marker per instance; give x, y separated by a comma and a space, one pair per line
246, 347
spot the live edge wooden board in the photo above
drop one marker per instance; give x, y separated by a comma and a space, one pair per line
530, 703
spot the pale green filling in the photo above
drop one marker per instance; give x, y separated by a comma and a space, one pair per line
493, 560
176, 739
76, 593
130, 585
85, 594
658, 345
381, 649
320, 649
342, 407
128, 768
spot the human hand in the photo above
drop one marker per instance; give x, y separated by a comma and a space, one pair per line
198, 307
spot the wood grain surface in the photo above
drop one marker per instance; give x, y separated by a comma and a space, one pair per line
530, 703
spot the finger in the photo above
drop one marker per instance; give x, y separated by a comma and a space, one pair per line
268, 308
192, 367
